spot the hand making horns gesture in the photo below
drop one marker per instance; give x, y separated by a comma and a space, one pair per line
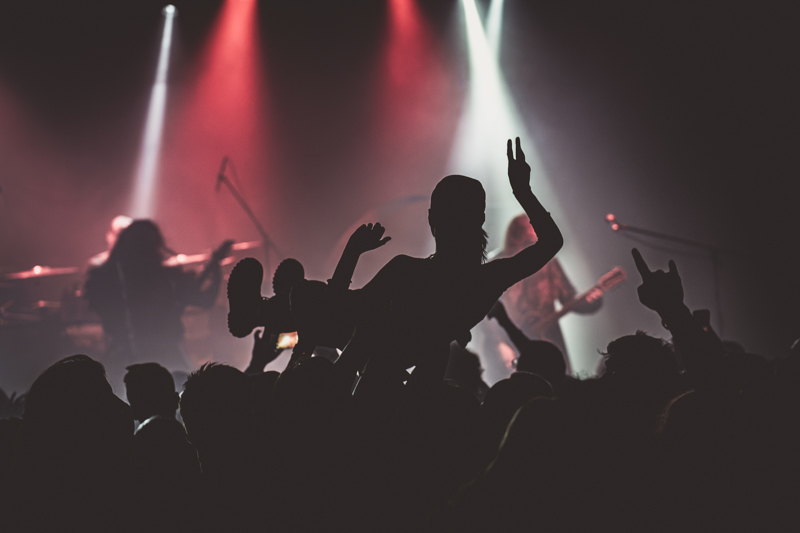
659, 290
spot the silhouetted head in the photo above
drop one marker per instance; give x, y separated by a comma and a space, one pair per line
140, 245
545, 359
151, 391
519, 235
639, 355
642, 362
72, 414
75, 450
287, 275
217, 408
456, 219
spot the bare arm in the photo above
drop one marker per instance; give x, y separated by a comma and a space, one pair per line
367, 237
663, 293
534, 257
519, 339
265, 350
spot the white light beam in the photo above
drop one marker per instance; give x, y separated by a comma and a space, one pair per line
490, 117
146, 169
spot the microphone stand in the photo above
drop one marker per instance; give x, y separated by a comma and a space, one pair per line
714, 252
268, 244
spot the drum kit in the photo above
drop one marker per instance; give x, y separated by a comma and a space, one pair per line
19, 305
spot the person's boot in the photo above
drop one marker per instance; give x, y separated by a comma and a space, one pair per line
244, 297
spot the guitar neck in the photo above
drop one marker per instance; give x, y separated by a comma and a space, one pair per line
606, 282
545, 323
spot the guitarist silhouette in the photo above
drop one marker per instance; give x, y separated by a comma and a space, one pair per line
532, 300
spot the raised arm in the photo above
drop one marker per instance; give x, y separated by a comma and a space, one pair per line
520, 340
367, 237
550, 240
663, 293
265, 350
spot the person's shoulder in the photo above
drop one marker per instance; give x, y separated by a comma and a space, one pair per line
406, 261
496, 263
399, 265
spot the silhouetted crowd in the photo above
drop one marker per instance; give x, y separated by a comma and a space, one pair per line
685, 433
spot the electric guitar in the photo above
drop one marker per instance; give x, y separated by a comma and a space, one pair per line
607, 281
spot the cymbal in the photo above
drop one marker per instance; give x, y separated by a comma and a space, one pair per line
247, 245
184, 259
41, 271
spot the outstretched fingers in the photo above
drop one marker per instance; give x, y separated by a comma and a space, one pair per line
641, 266
375, 234
673, 268
510, 152
379, 231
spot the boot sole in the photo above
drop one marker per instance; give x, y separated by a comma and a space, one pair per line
244, 295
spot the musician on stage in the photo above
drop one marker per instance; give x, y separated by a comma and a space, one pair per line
140, 300
533, 299
118, 223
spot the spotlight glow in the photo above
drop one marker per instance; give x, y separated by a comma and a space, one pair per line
220, 109
143, 197
413, 83
490, 117
494, 25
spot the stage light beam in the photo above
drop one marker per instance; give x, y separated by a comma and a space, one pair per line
490, 117
147, 166
494, 25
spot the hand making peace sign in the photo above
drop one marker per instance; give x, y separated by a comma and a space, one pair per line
519, 172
